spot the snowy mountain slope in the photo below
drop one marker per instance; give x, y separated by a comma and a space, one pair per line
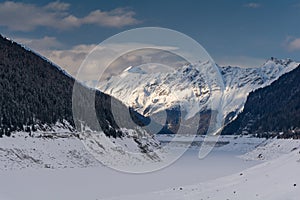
273, 180
69, 150
54, 151
271, 149
192, 87
151, 93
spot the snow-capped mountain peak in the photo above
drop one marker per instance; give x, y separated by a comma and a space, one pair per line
192, 85
149, 93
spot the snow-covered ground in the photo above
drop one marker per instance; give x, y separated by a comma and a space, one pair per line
24, 152
62, 169
277, 179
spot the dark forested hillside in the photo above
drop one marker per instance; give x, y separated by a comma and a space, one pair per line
275, 108
35, 93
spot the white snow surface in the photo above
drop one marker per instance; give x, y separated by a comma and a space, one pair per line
272, 149
192, 86
275, 179
61, 168
34, 168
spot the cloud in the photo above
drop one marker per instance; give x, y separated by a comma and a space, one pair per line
252, 5
241, 61
72, 58
57, 6
104, 56
115, 18
26, 17
292, 44
49, 47
69, 59
41, 43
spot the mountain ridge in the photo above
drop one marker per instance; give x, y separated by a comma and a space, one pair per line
187, 87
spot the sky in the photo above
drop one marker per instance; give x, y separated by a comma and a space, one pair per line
243, 33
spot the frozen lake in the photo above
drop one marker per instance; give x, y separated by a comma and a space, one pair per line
102, 182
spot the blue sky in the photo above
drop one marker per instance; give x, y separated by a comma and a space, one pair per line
233, 32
